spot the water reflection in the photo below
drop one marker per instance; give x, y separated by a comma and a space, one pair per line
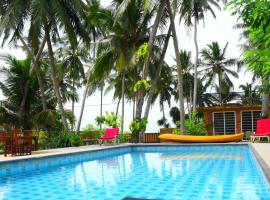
198, 175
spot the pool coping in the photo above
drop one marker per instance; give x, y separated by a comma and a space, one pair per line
265, 168
84, 149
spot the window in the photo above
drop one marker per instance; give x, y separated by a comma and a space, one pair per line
224, 123
249, 120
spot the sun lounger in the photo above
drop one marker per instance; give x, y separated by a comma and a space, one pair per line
262, 131
109, 135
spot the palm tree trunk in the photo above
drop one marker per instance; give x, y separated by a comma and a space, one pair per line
82, 108
101, 103
153, 86
117, 106
179, 69
134, 107
34, 64
220, 87
42, 90
195, 66
123, 101
265, 101
190, 98
101, 100
54, 79
163, 114
153, 33
72, 106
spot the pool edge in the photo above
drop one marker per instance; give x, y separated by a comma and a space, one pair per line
265, 168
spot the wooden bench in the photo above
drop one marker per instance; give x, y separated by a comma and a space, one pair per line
90, 137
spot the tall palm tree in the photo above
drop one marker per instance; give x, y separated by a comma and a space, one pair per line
196, 9
157, 74
179, 68
215, 66
72, 65
185, 58
123, 37
153, 32
94, 12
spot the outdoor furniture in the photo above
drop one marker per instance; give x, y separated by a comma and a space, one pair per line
34, 138
90, 137
18, 144
262, 131
109, 135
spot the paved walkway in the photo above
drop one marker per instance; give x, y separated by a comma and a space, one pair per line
262, 152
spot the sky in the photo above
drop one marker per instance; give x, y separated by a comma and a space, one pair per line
219, 29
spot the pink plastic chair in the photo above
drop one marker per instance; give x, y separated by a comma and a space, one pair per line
109, 135
263, 130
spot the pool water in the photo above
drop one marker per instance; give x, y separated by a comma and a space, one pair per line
189, 173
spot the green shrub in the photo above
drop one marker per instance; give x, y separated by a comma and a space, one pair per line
2, 146
89, 127
194, 126
75, 140
137, 126
124, 137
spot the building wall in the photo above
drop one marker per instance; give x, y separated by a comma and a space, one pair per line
208, 114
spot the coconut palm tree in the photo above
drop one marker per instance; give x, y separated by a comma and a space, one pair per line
123, 37
153, 32
17, 73
251, 95
215, 67
179, 68
196, 9
72, 66
47, 17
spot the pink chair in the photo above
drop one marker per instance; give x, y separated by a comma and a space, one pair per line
263, 130
109, 135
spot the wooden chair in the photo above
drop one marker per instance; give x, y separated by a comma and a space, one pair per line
17, 143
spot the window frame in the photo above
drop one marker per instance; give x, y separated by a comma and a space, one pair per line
213, 119
251, 117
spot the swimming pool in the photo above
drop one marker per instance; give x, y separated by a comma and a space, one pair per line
148, 172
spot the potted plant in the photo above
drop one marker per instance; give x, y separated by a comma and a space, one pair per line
136, 127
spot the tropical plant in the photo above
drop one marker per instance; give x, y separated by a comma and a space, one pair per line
137, 126
100, 120
112, 120
255, 19
251, 94
174, 114
16, 75
195, 125
215, 67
